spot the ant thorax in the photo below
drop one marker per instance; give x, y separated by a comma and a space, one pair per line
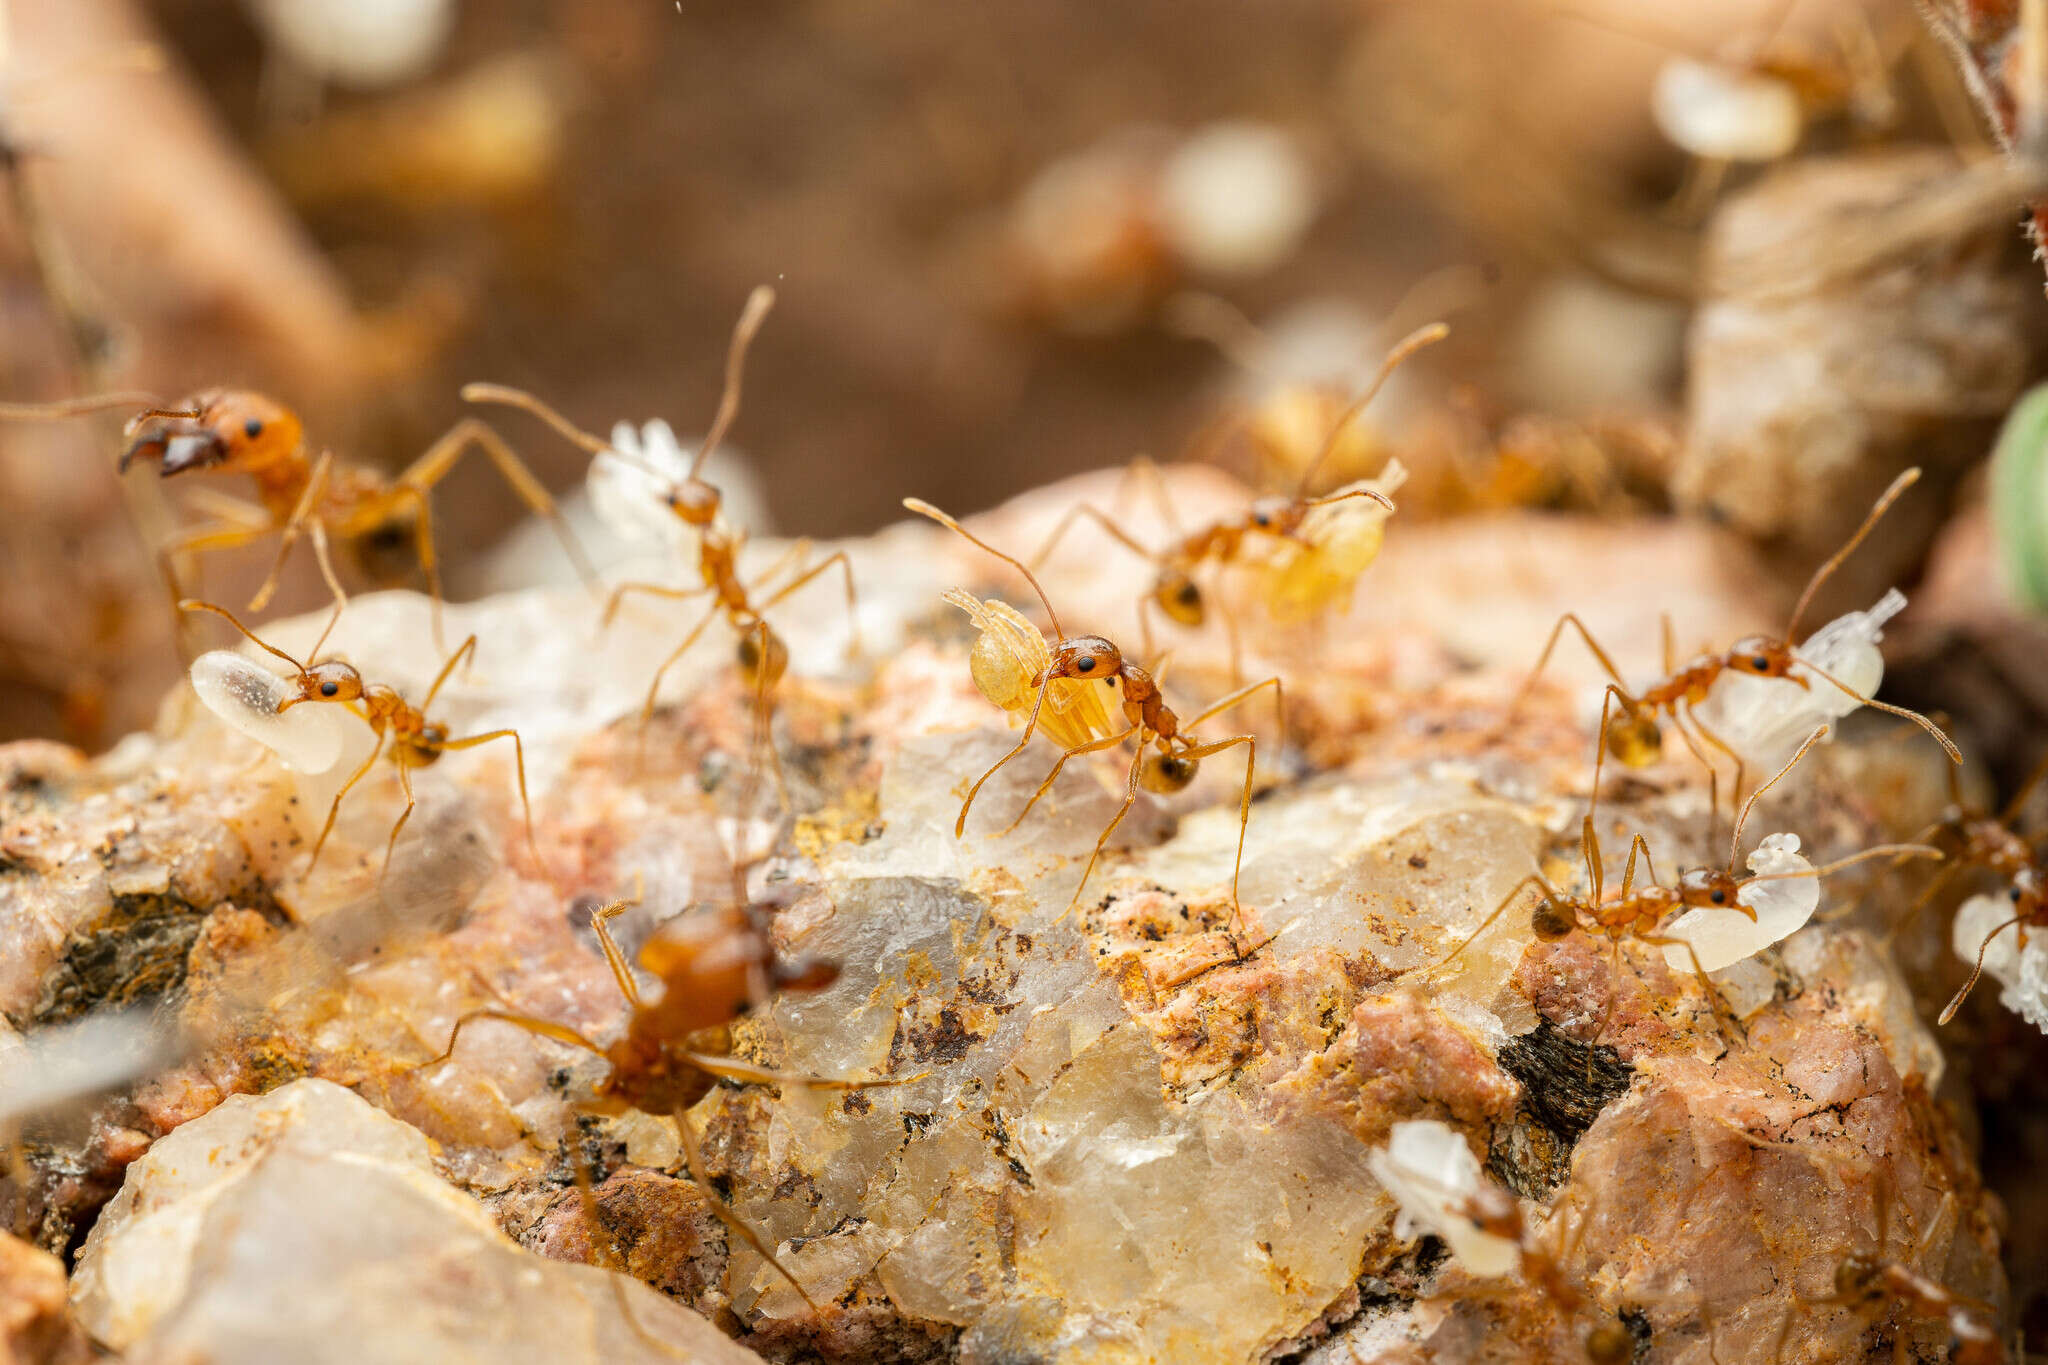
2021, 970
1432, 1175
1766, 718
630, 485
257, 701
1722, 937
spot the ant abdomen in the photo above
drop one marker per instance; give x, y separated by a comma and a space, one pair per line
1611, 1343
762, 656
1636, 740
1167, 773
1551, 921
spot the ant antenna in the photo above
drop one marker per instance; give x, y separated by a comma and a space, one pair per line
1901, 851
1735, 840
1820, 575
1955, 755
78, 407
526, 402
1407, 346
743, 332
1955, 1003
194, 604
1201, 316
925, 509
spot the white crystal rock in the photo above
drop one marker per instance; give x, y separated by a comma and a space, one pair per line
1723, 113
2022, 972
1236, 198
1723, 937
1435, 1178
1767, 719
308, 737
308, 1226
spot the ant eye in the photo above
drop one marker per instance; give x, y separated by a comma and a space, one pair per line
2015, 894
253, 428
328, 689
1086, 664
1760, 663
1718, 897
1261, 519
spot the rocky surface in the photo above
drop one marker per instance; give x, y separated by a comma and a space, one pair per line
1103, 1122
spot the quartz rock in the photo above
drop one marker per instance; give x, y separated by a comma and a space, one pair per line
308, 1226
35, 1322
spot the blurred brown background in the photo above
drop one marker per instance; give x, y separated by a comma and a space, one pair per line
958, 204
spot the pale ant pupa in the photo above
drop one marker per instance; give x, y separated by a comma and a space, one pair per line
1167, 758
1629, 727
414, 741
1308, 551
684, 496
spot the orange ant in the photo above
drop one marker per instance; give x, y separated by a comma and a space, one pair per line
1867, 1281
1497, 1213
1091, 658
1315, 575
227, 431
713, 969
1637, 911
415, 741
763, 657
1629, 729
1974, 839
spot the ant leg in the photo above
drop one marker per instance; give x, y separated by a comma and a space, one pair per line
1542, 661
1713, 773
764, 721
219, 535
1533, 879
1130, 799
334, 808
600, 919
1102, 519
1713, 992
1608, 697
748, 1074
1670, 647
1244, 806
1926, 897
440, 457
618, 595
519, 760
693, 1160
2019, 795
1030, 725
1607, 1014
1145, 467
852, 602
1092, 746
318, 534
1216, 708
1637, 844
304, 513
1741, 764
1596, 863
391, 844
654, 686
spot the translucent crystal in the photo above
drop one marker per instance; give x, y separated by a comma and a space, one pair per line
1723, 937
247, 695
1435, 1179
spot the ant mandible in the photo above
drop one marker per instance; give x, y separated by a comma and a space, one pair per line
763, 657
233, 431
713, 969
415, 741
1155, 726
1629, 728
1305, 575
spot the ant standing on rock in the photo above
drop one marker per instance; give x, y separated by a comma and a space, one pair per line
1167, 758
762, 655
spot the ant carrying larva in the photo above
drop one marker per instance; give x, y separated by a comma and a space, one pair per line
683, 497
1167, 758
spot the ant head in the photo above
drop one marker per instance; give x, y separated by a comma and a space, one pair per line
332, 680
1494, 1211
1086, 657
1761, 658
1856, 1276
1708, 888
1178, 597
763, 657
1167, 773
2028, 893
695, 501
1277, 516
1635, 739
222, 429
1611, 1343
1551, 921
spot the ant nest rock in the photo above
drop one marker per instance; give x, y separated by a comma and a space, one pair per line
1107, 1117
